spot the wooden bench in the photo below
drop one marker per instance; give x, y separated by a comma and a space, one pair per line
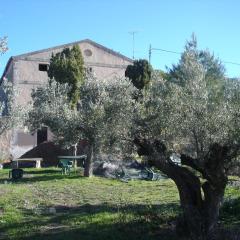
37, 160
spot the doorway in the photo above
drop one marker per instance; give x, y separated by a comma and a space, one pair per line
42, 135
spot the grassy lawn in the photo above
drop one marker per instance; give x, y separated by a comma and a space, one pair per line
47, 205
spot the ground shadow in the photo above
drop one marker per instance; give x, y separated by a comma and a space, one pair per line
108, 232
142, 226
41, 175
148, 222
43, 171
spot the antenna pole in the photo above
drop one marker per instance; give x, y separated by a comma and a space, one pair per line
150, 53
133, 42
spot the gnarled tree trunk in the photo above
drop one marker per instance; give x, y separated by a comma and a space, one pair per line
200, 201
88, 166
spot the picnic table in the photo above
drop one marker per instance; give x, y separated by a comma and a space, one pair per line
67, 162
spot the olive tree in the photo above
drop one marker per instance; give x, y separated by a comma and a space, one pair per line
4, 123
205, 134
11, 114
3, 45
100, 108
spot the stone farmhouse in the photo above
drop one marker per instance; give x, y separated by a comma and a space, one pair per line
29, 71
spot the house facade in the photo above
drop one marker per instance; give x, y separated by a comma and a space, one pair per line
29, 71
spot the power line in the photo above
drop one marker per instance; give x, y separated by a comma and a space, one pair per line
232, 63
164, 50
170, 51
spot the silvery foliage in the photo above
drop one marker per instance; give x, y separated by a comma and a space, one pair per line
3, 45
100, 117
186, 118
11, 114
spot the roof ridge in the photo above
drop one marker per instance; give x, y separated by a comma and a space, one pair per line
64, 46
108, 49
74, 43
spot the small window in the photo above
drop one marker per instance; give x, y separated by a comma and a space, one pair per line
43, 67
88, 53
88, 70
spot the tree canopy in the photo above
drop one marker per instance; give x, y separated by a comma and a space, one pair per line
139, 73
201, 129
3, 45
96, 119
212, 67
11, 114
8, 117
67, 66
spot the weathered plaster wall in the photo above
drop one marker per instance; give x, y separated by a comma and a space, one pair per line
22, 142
28, 72
27, 76
9, 74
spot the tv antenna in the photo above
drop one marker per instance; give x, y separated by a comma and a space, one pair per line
133, 42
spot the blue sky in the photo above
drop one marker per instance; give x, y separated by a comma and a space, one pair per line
37, 24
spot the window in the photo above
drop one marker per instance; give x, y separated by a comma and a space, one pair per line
88, 70
43, 67
87, 52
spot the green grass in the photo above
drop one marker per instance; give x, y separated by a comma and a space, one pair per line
47, 205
